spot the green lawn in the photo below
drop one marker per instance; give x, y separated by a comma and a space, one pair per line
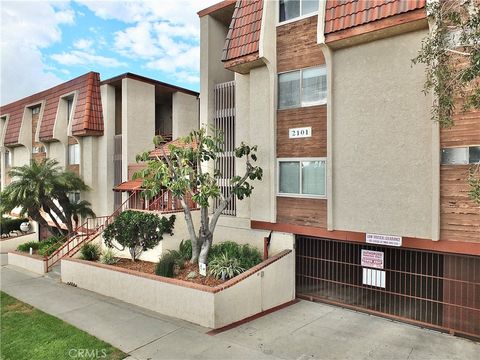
28, 333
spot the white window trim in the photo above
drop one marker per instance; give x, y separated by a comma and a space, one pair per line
317, 103
79, 154
303, 196
301, 17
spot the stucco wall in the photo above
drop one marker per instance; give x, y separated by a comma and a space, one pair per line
34, 263
20, 156
138, 120
184, 114
56, 150
172, 300
11, 244
382, 139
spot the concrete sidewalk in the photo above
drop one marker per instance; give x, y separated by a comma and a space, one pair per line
301, 331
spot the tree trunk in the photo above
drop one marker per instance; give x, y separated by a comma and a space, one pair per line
206, 244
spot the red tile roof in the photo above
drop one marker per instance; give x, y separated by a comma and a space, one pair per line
244, 32
344, 14
164, 150
130, 185
87, 115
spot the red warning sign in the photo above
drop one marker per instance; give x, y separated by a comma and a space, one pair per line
372, 259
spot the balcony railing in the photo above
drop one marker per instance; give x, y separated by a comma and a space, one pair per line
165, 202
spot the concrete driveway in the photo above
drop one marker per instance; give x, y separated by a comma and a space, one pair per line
304, 330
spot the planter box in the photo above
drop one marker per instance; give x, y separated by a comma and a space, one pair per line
33, 263
8, 244
265, 286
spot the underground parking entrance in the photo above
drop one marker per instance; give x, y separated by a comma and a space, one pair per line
431, 289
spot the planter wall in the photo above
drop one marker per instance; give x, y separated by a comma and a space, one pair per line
263, 287
11, 243
33, 263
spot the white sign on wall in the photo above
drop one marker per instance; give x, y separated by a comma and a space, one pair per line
202, 269
300, 132
373, 277
372, 259
389, 240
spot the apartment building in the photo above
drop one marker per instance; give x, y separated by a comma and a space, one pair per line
368, 190
95, 128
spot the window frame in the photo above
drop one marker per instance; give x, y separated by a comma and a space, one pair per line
79, 155
7, 158
301, 195
465, 149
298, 18
318, 103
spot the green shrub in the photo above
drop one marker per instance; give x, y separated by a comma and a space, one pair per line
137, 231
183, 254
90, 252
48, 246
248, 256
26, 247
108, 257
165, 265
225, 266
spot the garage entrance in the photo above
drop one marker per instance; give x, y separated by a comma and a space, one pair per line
434, 289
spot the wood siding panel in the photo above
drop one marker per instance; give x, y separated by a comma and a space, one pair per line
297, 45
459, 216
314, 146
466, 130
302, 211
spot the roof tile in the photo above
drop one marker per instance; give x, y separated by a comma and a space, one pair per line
344, 14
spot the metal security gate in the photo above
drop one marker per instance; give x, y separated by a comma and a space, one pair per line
434, 289
224, 122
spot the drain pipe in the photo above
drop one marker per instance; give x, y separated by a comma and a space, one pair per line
266, 244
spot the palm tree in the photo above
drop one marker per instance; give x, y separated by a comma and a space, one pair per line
80, 209
44, 187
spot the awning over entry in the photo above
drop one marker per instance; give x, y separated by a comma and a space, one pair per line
131, 185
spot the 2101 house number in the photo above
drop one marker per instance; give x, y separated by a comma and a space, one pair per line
300, 132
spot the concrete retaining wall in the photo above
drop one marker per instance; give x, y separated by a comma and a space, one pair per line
263, 287
11, 243
33, 263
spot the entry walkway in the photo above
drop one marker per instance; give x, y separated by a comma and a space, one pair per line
301, 331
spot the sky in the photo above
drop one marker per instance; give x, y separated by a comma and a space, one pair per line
45, 43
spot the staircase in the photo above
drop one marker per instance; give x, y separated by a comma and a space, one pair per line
83, 234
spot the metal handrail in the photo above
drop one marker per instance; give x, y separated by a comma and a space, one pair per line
99, 223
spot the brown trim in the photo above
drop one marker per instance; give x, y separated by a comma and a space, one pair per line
251, 318
188, 284
34, 256
456, 247
411, 16
148, 81
215, 7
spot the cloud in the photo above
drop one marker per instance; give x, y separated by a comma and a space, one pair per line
83, 44
79, 57
21, 44
165, 34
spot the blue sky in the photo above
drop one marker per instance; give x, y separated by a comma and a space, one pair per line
44, 43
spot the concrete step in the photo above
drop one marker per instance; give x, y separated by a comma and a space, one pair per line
55, 272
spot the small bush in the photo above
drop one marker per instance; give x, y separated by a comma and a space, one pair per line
225, 266
90, 252
247, 255
183, 254
26, 247
108, 257
48, 246
165, 265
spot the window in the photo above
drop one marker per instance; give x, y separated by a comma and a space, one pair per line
461, 155
36, 110
38, 149
74, 154
8, 158
306, 87
304, 177
291, 9
69, 109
